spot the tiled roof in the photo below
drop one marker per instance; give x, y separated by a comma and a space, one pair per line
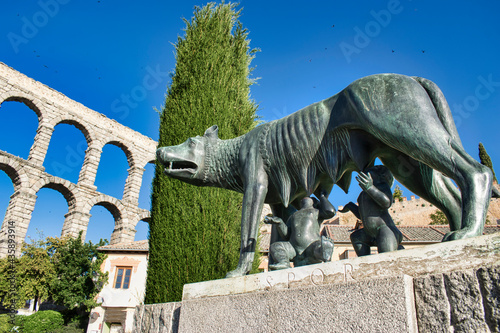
423, 233
339, 233
141, 246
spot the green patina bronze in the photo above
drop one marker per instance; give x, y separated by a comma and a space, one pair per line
373, 210
300, 238
404, 121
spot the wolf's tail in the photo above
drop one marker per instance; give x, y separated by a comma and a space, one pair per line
429, 176
441, 106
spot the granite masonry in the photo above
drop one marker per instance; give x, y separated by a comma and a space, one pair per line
29, 176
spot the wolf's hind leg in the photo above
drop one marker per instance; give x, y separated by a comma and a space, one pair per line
427, 184
475, 181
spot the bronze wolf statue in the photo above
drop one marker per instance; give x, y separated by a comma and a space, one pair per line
404, 121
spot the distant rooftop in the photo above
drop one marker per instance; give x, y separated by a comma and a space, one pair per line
141, 246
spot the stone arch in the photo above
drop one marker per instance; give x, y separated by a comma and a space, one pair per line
15, 172
141, 229
145, 216
63, 186
67, 139
86, 130
128, 152
145, 163
147, 176
113, 205
31, 102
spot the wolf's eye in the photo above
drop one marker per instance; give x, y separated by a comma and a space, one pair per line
192, 143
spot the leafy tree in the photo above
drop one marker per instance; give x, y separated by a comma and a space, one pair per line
78, 276
37, 270
32, 272
397, 194
65, 270
194, 231
485, 159
438, 218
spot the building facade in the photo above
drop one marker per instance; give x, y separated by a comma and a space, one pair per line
126, 266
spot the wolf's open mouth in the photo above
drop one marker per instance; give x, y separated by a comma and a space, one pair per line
181, 165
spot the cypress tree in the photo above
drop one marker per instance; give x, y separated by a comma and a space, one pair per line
398, 193
486, 160
195, 231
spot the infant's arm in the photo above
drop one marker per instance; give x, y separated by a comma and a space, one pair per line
280, 225
382, 196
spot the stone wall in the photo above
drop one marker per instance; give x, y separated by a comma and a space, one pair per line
29, 176
444, 287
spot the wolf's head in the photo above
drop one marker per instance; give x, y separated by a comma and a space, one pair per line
188, 161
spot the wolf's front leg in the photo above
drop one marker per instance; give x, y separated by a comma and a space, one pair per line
255, 182
253, 201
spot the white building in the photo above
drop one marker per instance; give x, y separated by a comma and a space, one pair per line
127, 267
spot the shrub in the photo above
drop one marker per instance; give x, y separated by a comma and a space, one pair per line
43, 322
5, 324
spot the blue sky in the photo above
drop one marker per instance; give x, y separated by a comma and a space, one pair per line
95, 52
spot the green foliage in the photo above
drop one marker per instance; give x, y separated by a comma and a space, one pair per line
438, 218
74, 326
65, 270
397, 194
486, 160
33, 273
43, 321
78, 276
194, 231
5, 323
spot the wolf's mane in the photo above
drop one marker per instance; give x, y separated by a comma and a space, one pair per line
221, 163
298, 148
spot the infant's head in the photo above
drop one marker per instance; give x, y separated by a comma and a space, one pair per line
380, 174
307, 202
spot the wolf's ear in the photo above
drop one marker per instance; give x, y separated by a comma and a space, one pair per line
212, 132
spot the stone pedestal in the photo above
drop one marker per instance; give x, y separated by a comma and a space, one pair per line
445, 287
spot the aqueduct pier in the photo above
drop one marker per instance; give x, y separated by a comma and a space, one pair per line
28, 175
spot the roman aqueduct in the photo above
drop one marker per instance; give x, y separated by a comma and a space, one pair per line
28, 175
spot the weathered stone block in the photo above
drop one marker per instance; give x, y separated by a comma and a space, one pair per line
466, 307
433, 309
489, 281
378, 305
156, 318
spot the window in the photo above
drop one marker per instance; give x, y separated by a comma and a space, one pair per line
122, 278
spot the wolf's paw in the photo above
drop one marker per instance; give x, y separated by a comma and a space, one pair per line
459, 234
237, 272
279, 265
